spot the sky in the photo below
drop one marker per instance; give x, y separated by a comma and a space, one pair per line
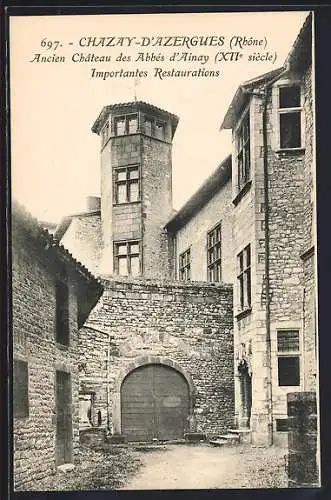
55, 156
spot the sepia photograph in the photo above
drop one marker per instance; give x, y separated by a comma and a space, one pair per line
164, 251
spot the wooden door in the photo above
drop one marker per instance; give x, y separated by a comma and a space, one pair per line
154, 404
63, 418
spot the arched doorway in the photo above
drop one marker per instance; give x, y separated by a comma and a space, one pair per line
155, 403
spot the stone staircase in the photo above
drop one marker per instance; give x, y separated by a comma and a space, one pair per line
232, 437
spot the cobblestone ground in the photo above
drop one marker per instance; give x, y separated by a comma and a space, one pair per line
172, 467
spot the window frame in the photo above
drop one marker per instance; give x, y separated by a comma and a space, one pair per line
154, 122
128, 256
105, 133
127, 183
244, 279
21, 404
184, 265
216, 263
241, 150
126, 119
290, 110
291, 353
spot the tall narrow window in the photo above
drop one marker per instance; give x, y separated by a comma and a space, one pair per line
62, 312
148, 126
119, 125
127, 258
127, 184
243, 152
132, 124
244, 278
214, 254
290, 117
288, 351
20, 389
105, 134
185, 266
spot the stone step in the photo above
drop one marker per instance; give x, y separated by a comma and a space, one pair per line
238, 431
218, 442
244, 435
230, 437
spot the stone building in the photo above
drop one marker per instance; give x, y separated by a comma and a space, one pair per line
157, 354
251, 225
52, 295
272, 123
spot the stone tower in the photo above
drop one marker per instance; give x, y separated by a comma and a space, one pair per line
136, 188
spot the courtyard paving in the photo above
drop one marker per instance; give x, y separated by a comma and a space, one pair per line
201, 466
205, 467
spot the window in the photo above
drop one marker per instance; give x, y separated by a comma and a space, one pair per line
127, 260
244, 278
243, 152
20, 389
290, 117
159, 130
214, 254
105, 134
127, 124
185, 266
155, 128
62, 312
288, 350
281, 424
148, 126
127, 184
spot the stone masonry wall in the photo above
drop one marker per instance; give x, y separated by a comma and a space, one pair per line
194, 235
309, 231
83, 239
309, 201
286, 195
189, 323
286, 224
34, 342
243, 235
106, 190
157, 205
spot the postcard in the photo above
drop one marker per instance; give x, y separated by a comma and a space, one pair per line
163, 184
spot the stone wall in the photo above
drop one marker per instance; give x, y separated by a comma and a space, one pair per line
194, 235
189, 324
309, 251
309, 200
157, 205
34, 342
83, 239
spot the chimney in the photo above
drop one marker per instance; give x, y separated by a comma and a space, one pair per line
93, 203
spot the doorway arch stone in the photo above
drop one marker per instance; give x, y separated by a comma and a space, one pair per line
137, 363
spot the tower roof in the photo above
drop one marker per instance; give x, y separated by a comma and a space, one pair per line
131, 107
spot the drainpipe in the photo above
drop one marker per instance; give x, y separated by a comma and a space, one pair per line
107, 381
